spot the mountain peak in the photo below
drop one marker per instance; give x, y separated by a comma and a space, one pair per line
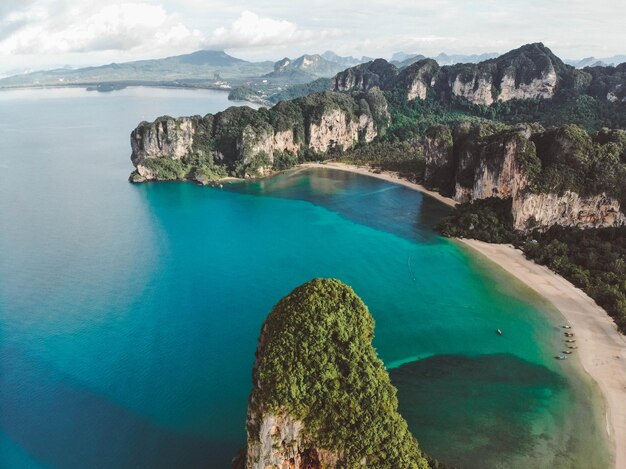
209, 57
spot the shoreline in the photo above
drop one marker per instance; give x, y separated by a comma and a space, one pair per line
601, 348
384, 175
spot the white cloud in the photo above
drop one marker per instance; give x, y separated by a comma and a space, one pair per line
122, 27
251, 30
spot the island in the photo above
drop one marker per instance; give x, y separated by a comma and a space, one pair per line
321, 397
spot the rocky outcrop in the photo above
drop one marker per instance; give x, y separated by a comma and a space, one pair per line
439, 159
529, 72
607, 82
498, 169
570, 209
531, 167
542, 87
282, 443
377, 73
165, 136
418, 78
315, 375
245, 143
335, 129
475, 87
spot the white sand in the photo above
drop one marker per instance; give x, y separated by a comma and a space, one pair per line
601, 348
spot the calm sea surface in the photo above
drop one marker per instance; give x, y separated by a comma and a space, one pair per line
129, 314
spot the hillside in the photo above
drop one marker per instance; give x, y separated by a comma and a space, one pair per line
205, 65
321, 397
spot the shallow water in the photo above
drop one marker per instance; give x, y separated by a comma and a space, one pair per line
129, 314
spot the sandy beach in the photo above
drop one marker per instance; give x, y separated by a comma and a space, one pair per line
601, 348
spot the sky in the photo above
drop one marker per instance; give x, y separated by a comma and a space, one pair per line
39, 34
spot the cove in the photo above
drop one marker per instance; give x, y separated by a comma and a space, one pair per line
129, 315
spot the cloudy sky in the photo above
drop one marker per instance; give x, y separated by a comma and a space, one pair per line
36, 34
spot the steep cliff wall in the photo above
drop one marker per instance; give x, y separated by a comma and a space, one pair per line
243, 142
548, 175
363, 77
417, 78
321, 398
497, 169
529, 72
570, 209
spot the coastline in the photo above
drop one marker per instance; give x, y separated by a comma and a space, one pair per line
384, 175
601, 348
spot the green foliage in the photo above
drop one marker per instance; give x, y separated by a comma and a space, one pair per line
411, 119
573, 161
298, 91
284, 160
253, 166
316, 362
198, 167
485, 219
405, 158
243, 93
592, 259
166, 169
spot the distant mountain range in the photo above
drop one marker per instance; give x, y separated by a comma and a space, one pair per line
217, 69
402, 59
593, 62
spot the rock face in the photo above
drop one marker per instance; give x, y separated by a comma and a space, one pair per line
570, 209
496, 169
476, 87
165, 136
473, 162
282, 443
245, 143
439, 158
377, 73
336, 129
321, 398
530, 72
418, 77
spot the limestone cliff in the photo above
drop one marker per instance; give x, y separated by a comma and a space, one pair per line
321, 398
377, 73
417, 78
529, 72
245, 143
569, 209
550, 176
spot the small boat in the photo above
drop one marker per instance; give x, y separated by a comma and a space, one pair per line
572, 346
560, 357
567, 351
566, 327
569, 334
499, 331
570, 340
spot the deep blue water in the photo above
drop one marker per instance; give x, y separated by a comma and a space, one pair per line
129, 314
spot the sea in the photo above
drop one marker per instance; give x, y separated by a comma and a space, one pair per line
129, 314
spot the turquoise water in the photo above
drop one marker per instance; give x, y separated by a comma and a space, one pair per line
129, 314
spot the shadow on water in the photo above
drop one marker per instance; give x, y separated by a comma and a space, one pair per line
491, 410
362, 199
99, 432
